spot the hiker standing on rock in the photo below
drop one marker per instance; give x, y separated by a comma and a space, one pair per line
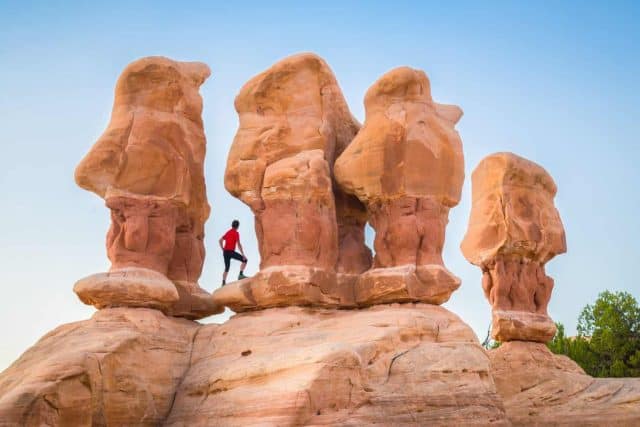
230, 239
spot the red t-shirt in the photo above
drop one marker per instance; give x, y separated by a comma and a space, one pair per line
231, 237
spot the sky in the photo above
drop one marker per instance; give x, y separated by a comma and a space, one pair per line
555, 82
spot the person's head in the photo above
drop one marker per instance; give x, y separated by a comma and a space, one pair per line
235, 224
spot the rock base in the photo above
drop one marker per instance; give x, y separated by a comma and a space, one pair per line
194, 302
284, 286
400, 364
128, 287
308, 286
432, 284
120, 368
540, 388
521, 326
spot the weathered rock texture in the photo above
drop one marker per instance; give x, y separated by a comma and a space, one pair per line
540, 388
149, 167
398, 365
406, 165
128, 287
121, 367
514, 229
293, 122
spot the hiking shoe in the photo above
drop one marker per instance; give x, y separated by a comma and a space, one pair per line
242, 276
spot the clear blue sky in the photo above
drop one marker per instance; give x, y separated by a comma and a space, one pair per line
555, 82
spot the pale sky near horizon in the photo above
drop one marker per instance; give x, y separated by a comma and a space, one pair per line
555, 83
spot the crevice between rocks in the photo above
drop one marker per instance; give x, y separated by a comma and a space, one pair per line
184, 374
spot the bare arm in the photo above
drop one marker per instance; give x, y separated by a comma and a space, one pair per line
240, 247
220, 241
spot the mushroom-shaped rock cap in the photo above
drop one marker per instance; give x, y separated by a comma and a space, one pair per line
294, 106
162, 84
408, 145
154, 145
512, 212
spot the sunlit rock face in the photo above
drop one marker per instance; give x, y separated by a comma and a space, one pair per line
148, 166
542, 388
120, 367
406, 166
293, 121
514, 229
395, 365
334, 361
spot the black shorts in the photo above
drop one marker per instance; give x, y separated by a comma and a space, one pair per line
231, 254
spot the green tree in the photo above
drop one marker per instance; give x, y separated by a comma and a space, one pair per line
612, 325
608, 341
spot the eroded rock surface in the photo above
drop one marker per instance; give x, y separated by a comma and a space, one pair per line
541, 388
406, 165
128, 287
387, 365
394, 364
148, 166
293, 122
514, 229
121, 367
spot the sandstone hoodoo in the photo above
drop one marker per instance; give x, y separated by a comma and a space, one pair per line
514, 229
370, 346
148, 166
293, 121
406, 166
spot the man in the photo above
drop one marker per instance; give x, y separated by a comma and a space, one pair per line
230, 239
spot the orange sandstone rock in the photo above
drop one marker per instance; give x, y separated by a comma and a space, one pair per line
409, 364
128, 287
385, 365
293, 122
121, 367
149, 167
406, 165
514, 229
354, 257
541, 388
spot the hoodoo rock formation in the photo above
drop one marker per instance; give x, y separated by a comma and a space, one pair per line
406, 165
148, 166
371, 346
294, 120
514, 229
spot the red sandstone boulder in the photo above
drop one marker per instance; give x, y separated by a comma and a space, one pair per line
406, 165
149, 167
293, 122
514, 229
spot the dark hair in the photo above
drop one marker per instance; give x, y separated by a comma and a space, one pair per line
235, 223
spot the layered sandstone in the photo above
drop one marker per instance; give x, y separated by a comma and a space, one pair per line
148, 166
514, 229
398, 364
121, 367
541, 388
293, 121
406, 165
392, 365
